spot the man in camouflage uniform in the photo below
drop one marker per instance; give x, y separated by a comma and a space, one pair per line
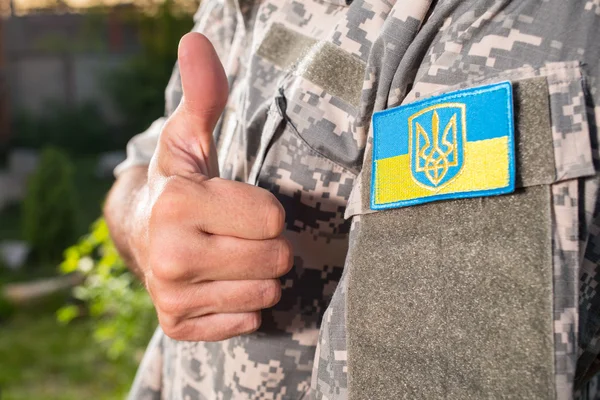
473, 298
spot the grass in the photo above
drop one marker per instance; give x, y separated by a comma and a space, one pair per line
41, 359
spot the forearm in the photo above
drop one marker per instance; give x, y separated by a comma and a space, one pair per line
121, 207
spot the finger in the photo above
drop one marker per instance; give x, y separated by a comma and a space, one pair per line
219, 207
213, 327
203, 80
240, 210
186, 145
196, 300
230, 258
180, 254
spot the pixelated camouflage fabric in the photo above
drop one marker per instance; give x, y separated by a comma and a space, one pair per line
305, 77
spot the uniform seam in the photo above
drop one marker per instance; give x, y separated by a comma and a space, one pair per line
319, 154
309, 146
516, 72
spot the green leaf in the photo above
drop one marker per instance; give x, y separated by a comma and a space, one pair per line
67, 313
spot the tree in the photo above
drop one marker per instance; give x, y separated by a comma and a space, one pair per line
137, 89
49, 209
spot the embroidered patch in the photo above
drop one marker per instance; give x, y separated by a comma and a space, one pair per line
455, 145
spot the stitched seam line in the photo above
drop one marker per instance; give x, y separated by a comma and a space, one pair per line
315, 152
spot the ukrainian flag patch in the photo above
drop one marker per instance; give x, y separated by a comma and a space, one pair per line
455, 145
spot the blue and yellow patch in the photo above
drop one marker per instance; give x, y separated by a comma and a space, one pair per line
455, 145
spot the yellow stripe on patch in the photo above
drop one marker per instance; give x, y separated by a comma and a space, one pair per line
486, 166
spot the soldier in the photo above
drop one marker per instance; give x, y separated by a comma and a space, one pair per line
372, 199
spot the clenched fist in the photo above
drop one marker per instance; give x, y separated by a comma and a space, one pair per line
210, 250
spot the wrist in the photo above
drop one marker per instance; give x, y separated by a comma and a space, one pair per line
137, 229
120, 212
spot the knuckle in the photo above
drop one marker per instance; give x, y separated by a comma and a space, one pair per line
163, 266
173, 197
251, 322
159, 271
201, 301
166, 208
270, 293
274, 217
175, 333
219, 303
284, 258
171, 327
168, 304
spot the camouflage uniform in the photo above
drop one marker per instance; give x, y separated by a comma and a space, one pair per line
305, 78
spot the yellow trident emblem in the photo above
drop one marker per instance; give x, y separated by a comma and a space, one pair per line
437, 155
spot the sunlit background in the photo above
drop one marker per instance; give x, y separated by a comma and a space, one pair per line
22, 7
78, 78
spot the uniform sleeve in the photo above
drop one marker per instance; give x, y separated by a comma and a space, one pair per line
141, 148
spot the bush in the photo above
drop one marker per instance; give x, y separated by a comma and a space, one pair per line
7, 309
77, 130
122, 312
49, 209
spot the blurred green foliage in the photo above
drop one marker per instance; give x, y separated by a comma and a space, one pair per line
43, 359
137, 89
49, 209
89, 39
123, 315
108, 320
7, 309
91, 190
78, 130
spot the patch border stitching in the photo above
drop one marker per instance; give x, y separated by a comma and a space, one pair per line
459, 94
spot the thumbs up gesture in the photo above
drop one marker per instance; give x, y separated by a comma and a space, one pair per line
210, 249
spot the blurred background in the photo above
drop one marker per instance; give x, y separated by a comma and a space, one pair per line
78, 78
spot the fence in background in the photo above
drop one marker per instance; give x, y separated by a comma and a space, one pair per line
63, 58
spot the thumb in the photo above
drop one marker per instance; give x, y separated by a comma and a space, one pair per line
204, 82
186, 146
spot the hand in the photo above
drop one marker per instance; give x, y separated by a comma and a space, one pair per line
210, 249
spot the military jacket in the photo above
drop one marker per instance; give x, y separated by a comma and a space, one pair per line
433, 258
